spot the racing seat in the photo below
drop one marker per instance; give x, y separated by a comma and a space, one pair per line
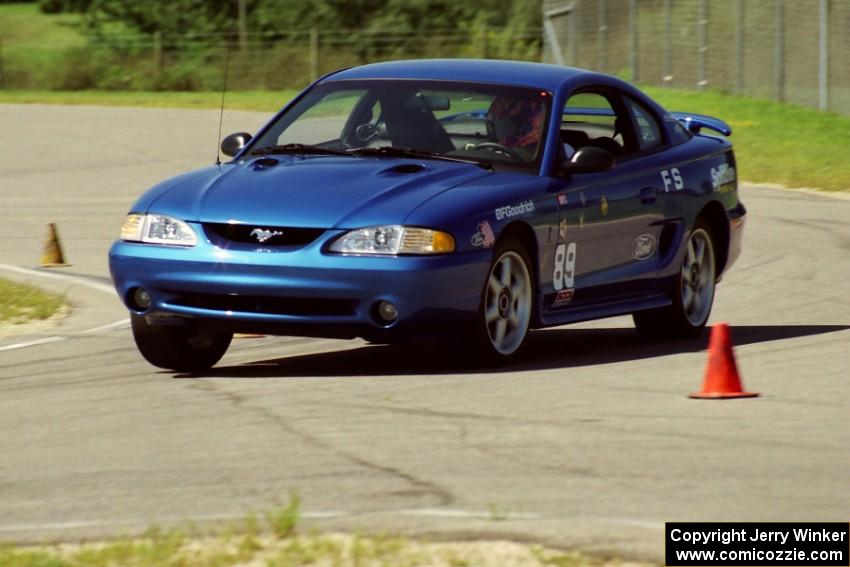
609, 143
606, 143
415, 126
575, 138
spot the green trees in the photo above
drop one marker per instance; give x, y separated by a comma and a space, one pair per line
182, 44
200, 17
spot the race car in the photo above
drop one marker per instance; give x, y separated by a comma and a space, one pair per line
435, 200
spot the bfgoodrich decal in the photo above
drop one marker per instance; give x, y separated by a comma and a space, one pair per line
514, 210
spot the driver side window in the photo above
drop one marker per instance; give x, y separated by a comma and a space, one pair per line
323, 122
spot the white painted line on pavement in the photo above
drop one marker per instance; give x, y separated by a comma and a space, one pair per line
314, 515
72, 524
56, 276
44, 341
51, 526
108, 327
454, 513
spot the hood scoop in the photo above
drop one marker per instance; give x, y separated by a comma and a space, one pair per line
264, 163
403, 169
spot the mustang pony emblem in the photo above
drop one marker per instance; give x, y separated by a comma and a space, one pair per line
262, 234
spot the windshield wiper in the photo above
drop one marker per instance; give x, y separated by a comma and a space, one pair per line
298, 149
392, 151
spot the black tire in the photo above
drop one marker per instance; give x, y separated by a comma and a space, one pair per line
507, 304
185, 348
692, 293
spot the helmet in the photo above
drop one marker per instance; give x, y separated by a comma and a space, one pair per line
516, 122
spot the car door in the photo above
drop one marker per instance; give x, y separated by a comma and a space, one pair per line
609, 221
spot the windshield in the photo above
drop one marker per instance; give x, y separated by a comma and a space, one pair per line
492, 124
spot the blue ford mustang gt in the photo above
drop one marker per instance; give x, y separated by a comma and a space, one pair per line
423, 200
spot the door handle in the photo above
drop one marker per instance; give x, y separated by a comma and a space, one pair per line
648, 195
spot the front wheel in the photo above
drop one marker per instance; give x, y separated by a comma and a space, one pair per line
506, 303
185, 348
693, 293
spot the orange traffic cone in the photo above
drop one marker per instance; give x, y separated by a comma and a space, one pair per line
721, 373
52, 256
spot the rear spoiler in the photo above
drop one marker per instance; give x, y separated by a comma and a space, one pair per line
696, 122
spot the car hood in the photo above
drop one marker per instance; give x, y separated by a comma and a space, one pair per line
308, 191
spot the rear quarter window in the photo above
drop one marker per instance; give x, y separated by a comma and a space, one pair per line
648, 130
678, 133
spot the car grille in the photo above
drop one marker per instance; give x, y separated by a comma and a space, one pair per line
298, 306
222, 234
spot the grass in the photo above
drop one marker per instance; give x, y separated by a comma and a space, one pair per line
262, 101
20, 302
277, 543
774, 143
175, 549
25, 24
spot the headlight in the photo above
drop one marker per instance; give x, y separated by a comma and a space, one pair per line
157, 229
394, 239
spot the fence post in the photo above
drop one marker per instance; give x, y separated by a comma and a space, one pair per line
739, 48
552, 34
602, 37
157, 52
243, 26
702, 79
667, 71
823, 67
484, 41
633, 40
574, 35
314, 53
779, 51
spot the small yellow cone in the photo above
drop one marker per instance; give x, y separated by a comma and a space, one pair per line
52, 256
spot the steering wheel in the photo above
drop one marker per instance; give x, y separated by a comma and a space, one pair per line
365, 132
498, 149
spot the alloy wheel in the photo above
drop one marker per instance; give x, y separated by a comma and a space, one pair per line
697, 281
507, 303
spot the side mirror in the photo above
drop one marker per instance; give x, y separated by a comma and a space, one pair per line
233, 144
588, 159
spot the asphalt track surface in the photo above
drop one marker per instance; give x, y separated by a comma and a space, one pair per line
590, 442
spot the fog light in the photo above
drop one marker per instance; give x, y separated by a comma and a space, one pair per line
387, 312
141, 298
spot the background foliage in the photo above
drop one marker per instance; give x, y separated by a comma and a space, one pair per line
182, 44
270, 16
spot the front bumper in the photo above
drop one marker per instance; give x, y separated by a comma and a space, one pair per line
302, 291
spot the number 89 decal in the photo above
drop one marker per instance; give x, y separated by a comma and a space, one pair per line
565, 266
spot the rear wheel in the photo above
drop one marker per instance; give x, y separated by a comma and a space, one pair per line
185, 348
693, 293
506, 303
